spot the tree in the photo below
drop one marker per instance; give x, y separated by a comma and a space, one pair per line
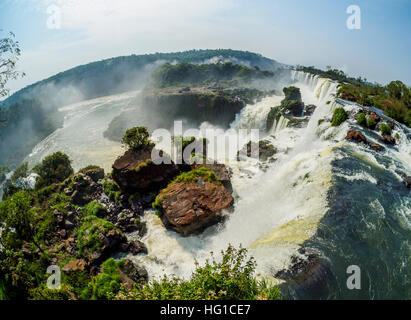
9, 55
136, 138
53, 169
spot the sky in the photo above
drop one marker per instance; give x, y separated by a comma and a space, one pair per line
305, 32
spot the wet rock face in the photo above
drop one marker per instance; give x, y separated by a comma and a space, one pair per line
356, 136
408, 182
263, 151
388, 140
308, 275
309, 110
376, 147
135, 171
191, 207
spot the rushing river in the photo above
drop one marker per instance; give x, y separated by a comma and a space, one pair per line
322, 192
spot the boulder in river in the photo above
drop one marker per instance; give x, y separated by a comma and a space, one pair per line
408, 182
135, 171
356, 136
387, 139
193, 202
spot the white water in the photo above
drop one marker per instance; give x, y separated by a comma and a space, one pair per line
82, 134
277, 210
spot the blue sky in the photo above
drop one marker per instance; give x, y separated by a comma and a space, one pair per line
291, 31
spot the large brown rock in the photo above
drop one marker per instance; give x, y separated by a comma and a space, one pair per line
193, 206
220, 170
387, 139
135, 171
356, 136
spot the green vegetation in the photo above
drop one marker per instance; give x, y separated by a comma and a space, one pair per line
88, 168
20, 172
320, 121
361, 119
136, 138
370, 122
183, 74
93, 208
112, 190
231, 278
291, 104
385, 129
53, 169
339, 116
88, 234
192, 176
394, 99
107, 284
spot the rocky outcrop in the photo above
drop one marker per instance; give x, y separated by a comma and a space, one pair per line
356, 136
376, 147
75, 265
135, 171
291, 106
222, 172
263, 151
309, 110
387, 139
191, 207
131, 273
408, 182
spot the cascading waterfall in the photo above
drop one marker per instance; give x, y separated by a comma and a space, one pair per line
293, 203
271, 209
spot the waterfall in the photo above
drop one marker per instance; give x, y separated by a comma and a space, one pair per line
279, 124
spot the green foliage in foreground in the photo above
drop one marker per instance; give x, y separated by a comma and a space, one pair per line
112, 190
107, 284
231, 278
339, 116
53, 169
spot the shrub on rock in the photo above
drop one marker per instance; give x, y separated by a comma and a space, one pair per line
339, 116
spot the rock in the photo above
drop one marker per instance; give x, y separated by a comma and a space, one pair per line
78, 198
68, 225
309, 110
376, 147
374, 116
263, 151
131, 273
308, 276
136, 172
221, 171
388, 139
193, 206
135, 247
356, 136
75, 265
95, 174
408, 182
